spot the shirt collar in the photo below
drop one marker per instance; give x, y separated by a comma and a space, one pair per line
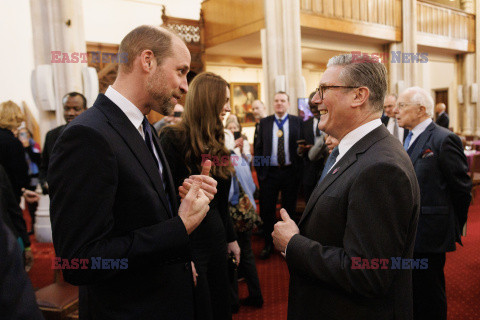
355, 135
281, 119
421, 127
131, 111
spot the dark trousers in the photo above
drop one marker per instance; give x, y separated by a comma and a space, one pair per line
429, 299
247, 268
278, 180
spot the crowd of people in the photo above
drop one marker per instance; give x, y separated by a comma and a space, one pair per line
379, 179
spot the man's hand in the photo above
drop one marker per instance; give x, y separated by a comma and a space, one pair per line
194, 207
235, 248
283, 231
209, 185
30, 196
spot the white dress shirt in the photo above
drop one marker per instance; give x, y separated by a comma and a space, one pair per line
391, 126
354, 136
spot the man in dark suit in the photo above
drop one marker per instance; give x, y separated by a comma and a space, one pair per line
112, 194
258, 110
442, 117
441, 168
279, 168
313, 136
389, 120
365, 208
74, 104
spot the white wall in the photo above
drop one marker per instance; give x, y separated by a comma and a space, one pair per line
440, 72
108, 21
16, 56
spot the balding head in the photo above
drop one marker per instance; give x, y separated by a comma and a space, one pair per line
142, 38
440, 107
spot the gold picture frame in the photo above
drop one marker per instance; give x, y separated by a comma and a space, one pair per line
242, 95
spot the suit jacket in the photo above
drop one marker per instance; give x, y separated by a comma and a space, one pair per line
441, 168
367, 206
312, 169
443, 120
405, 131
50, 140
108, 201
263, 148
12, 158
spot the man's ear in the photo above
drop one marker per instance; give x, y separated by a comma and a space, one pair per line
422, 110
360, 96
146, 60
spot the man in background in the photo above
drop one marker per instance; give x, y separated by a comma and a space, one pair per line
389, 119
441, 168
259, 112
74, 104
313, 163
442, 117
279, 168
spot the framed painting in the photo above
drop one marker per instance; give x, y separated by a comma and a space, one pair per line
242, 96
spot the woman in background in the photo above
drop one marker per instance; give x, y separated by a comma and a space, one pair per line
198, 135
243, 211
12, 156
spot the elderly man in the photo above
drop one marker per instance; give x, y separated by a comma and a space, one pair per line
364, 208
389, 119
441, 168
112, 194
442, 117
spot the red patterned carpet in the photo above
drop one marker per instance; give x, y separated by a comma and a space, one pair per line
461, 270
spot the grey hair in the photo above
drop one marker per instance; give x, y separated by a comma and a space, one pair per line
421, 97
370, 74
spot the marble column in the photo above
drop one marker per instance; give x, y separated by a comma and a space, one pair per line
281, 51
58, 26
404, 75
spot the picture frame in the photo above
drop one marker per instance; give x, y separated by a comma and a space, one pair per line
242, 94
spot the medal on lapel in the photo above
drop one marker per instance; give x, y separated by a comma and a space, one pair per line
279, 133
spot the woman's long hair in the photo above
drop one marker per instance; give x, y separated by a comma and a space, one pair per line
201, 124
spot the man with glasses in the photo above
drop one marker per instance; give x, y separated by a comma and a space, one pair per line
389, 119
441, 168
363, 209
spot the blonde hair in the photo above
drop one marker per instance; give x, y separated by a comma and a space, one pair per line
11, 116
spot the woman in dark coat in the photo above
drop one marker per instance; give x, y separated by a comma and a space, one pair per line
197, 137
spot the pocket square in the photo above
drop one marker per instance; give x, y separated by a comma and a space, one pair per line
427, 153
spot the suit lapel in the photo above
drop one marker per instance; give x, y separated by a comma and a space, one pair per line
345, 162
124, 127
422, 139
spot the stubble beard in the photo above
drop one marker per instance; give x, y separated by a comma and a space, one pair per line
156, 88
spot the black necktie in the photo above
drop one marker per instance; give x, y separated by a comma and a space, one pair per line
330, 162
281, 151
148, 138
317, 131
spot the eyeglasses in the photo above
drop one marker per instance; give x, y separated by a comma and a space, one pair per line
403, 105
321, 89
